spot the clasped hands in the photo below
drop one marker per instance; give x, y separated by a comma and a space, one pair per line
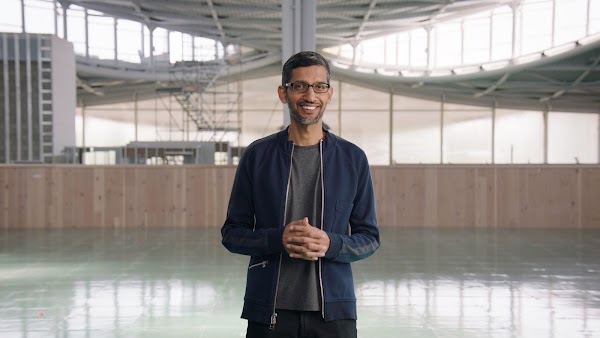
301, 240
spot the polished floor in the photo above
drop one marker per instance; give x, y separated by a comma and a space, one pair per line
183, 283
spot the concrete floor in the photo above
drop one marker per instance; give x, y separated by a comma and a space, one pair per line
183, 283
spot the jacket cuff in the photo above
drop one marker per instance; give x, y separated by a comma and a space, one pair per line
275, 240
335, 245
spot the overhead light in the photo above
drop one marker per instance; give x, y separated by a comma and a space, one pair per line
466, 70
527, 58
364, 70
495, 65
559, 49
440, 72
386, 72
413, 73
589, 39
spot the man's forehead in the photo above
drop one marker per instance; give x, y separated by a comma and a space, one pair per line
316, 70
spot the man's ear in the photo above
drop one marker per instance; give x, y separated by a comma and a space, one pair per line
281, 93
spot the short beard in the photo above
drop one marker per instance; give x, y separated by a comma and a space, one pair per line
306, 122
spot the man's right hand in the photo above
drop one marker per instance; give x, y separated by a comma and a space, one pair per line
302, 240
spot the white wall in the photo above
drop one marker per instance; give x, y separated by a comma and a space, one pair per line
64, 94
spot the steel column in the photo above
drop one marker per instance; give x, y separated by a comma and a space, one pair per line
298, 29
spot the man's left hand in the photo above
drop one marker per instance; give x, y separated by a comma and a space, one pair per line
306, 242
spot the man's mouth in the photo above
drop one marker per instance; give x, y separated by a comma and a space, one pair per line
308, 108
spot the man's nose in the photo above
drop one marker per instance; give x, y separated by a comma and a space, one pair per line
310, 94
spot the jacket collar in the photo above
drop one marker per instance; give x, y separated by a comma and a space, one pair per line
285, 145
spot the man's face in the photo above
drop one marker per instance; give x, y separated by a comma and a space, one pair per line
306, 108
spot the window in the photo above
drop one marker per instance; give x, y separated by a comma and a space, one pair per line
502, 22
477, 38
448, 39
571, 18
101, 30
10, 16
39, 16
536, 26
76, 28
467, 135
519, 136
572, 138
418, 48
129, 41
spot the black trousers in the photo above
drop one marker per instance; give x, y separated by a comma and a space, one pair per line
303, 324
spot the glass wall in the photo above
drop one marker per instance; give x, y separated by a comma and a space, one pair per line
467, 136
519, 136
10, 17
572, 138
482, 37
417, 131
423, 131
43, 12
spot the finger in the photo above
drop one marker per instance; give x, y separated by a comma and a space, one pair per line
303, 240
315, 247
293, 249
312, 250
294, 224
310, 255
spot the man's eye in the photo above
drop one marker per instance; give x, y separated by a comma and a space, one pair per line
299, 85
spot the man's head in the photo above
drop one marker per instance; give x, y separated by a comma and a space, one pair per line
303, 59
305, 87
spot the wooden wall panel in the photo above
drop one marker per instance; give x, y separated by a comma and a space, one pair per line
407, 196
590, 197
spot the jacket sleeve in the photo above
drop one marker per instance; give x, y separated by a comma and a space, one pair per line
363, 239
238, 232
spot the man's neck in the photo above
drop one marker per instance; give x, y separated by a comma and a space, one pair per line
303, 135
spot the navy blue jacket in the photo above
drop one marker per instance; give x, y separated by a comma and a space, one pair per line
256, 220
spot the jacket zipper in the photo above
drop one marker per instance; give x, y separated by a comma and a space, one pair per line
287, 191
322, 217
263, 264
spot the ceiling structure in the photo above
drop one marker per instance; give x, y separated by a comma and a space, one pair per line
568, 81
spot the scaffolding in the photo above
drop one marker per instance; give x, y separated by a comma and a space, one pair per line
208, 97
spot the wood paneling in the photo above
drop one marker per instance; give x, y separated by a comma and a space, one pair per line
197, 196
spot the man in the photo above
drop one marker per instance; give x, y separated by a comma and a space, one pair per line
302, 207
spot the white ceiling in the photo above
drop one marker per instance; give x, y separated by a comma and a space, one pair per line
566, 82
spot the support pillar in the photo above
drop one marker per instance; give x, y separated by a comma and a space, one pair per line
298, 29
546, 136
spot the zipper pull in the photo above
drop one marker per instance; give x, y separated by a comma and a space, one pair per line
273, 321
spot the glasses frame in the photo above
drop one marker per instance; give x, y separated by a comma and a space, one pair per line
290, 85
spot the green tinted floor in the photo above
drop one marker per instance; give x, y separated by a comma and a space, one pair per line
183, 283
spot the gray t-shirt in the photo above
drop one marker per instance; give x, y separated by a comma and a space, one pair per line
299, 281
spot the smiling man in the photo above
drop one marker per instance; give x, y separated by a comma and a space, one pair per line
302, 207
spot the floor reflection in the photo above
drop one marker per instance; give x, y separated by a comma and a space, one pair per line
182, 283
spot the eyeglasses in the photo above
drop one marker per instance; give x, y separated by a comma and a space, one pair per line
302, 87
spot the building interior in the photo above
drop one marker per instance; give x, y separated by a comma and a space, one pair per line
122, 123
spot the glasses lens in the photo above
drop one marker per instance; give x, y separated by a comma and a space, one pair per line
299, 86
320, 87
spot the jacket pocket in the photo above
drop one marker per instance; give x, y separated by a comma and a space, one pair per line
259, 282
262, 264
341, 217
338, 276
